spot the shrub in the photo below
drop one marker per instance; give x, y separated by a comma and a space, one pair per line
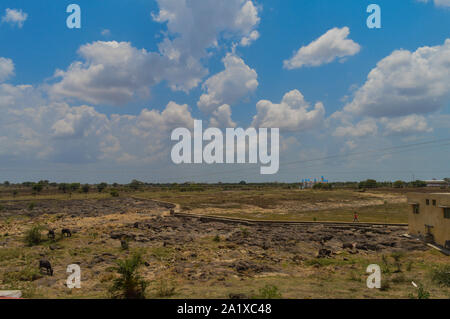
400, 278
85, 188
397, 256
269, 292
244, 232
129, 285
33, 236
114, 193
31, 206
124, 244
385, 285
164, 289
101, 187
441, 275
322, 186
421, 293
216, 238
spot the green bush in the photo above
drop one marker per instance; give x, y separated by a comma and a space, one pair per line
421, 293
269, 292
441, 275
129, 285
164, 289
114, 193
31, 206
33, 236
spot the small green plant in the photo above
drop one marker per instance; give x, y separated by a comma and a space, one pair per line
94, 235
114, 193
124, 244
385, 285
269, 292
399, 278
385, 265
244, 231
421, 293
33, 236
354, 276
129, 285
397, 256
164, 289
409, 266
441, 275
31, 206
216, 239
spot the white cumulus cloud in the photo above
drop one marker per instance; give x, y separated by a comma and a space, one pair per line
228, 86
15, 17
330, 46
406, 83
6, 68
438, 3
406, 125
292, 114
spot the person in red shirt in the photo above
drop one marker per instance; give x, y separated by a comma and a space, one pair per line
355, 218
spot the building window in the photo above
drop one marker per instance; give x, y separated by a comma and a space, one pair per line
428, 202
416, 209
434, 202
447, 213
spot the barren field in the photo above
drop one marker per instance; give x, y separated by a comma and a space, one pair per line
195, 258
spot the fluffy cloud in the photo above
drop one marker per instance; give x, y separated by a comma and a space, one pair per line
228, 86
6, 68
330, 46
116, 72
292, 114
406, 125
363, 128
438, 3
33, 127
173, 116
196, 27
406, 83
15, 17
199, 24
113, 72
222, 117
246, 41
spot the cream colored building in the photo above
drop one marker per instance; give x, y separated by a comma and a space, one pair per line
429, 217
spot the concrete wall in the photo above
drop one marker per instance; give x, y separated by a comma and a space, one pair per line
432, 215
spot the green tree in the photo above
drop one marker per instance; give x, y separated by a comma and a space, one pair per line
75, 186
130, 284
370, 183
135, 184
399, 184
38, 187
101, 187
85, 188
64, 187
419, 183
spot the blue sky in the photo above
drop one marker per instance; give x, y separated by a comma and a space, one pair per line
101, 101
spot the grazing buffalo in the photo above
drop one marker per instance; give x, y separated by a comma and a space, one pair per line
51, 234
66, 232
48, 267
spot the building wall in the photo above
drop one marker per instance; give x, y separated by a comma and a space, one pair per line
432, 215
